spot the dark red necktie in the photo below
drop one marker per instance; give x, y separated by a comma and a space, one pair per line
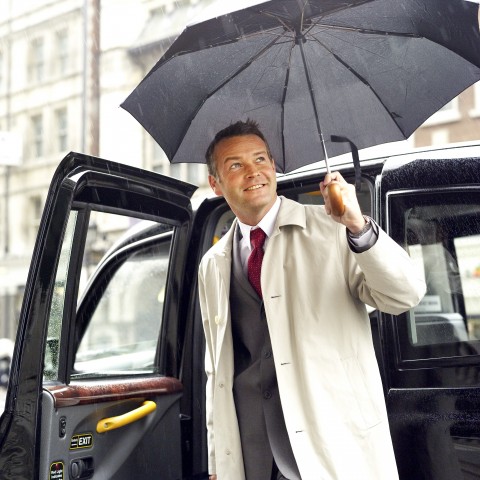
257, 239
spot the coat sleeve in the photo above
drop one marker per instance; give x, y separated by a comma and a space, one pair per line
209, 369
383, 276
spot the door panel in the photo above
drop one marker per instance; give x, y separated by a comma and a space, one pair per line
438, 347
71, 414
116, 336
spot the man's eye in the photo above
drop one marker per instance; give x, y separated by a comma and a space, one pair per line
260, 159
235, 166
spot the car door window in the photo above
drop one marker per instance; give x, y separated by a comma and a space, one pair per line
119, 324
441, 231
124, 327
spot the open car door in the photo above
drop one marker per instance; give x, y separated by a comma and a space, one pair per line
94, 389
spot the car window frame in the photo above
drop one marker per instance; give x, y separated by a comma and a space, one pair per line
399, 335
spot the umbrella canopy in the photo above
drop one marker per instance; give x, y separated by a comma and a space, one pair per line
371, 71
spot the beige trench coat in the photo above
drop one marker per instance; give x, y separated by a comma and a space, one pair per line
315, 290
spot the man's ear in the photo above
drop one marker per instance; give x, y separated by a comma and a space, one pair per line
215, 185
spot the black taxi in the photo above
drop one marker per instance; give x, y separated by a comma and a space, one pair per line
107, 378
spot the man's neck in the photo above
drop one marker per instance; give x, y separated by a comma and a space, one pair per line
256, 217
267, 222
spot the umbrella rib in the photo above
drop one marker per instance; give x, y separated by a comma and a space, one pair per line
278, 18
365, 31
385, 33
228, 79
227, 41
362, 79
282, 105
284, 19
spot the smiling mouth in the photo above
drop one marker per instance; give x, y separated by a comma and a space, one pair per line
254, 187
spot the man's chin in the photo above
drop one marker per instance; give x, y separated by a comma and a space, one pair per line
260, 201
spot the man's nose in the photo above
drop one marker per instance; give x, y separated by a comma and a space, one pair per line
252, 170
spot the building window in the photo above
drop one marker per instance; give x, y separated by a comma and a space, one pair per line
36, 64
62, 51
176, 171
61, 121
37, 136
440, 136
159, 159
36, 209
35, 213
475, 111
2, 78
193, 173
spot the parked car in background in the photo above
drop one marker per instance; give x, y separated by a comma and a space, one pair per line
107, 379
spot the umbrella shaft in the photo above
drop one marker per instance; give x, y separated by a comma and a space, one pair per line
314, 105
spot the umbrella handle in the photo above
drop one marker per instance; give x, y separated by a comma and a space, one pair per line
336, 199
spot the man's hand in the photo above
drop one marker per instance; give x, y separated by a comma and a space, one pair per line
352, 217
212, 477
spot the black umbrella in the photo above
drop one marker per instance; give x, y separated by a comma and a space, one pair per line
370, 71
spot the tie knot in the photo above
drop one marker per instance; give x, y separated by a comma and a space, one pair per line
257, 238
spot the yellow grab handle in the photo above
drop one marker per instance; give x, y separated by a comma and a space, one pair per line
112, 423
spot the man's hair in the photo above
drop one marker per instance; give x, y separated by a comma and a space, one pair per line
249, 127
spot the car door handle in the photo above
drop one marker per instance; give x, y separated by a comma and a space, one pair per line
111, 423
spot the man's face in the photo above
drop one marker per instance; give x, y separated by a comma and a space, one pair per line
245, 177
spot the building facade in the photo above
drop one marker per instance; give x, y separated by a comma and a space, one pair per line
458, 121
65, 67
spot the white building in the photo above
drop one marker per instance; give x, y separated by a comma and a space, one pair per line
65, 67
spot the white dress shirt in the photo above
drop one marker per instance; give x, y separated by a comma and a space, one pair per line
267, 224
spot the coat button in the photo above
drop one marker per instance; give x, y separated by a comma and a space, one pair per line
267, 394
267, 354
221, 385
217, 319
227, 452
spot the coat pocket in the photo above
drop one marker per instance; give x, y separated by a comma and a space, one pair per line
367, 414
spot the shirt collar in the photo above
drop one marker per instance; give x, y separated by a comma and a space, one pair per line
267, 223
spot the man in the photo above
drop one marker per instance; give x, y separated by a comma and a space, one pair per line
293, 388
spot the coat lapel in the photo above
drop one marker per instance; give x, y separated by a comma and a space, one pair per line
290, 214
222, 256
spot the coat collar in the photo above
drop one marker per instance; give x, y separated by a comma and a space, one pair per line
223, 248
290, 213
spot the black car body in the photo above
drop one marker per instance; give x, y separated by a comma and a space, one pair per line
110, 383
